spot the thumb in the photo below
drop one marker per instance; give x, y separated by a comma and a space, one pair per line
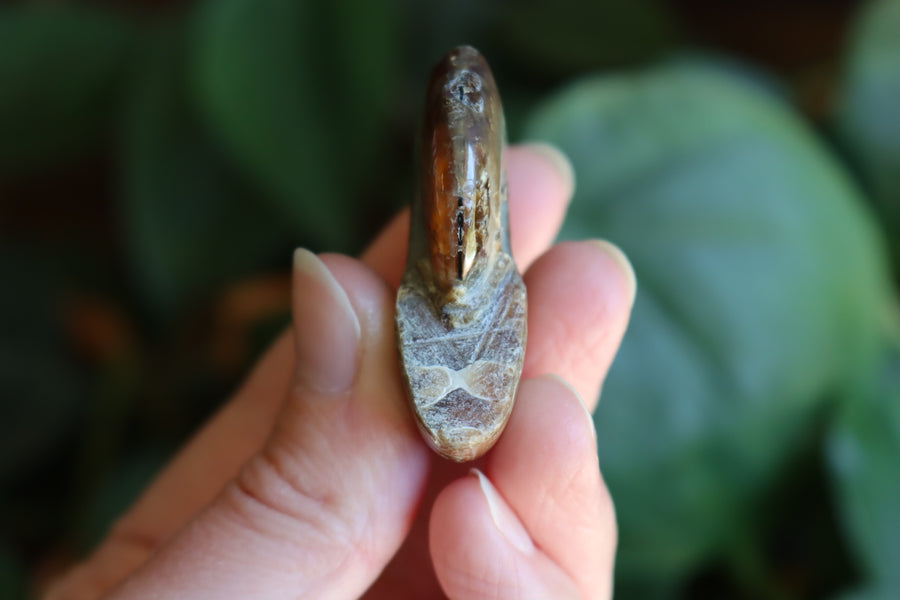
320, 510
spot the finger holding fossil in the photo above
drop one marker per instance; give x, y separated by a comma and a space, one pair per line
461, 307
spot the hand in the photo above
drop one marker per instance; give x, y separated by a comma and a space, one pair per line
313, 482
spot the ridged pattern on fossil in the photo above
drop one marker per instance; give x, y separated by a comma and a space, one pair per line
463, 364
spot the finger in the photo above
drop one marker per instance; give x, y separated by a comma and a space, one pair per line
541, 182
580, 296
190, 481
480, 548
549, 535
323, 506
545, 465
579, 300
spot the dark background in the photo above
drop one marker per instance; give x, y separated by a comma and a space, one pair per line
160, 160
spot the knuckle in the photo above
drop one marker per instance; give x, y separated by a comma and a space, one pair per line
279, 498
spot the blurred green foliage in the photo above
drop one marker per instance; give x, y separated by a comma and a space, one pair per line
299, 92
158, 165
62, 72
864, 453
191, 218
738, 225
866, 117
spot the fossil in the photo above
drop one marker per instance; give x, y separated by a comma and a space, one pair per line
461, 307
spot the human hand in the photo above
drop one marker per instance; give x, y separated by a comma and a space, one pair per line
313, 482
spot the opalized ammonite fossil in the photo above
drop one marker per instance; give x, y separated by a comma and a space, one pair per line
461, 307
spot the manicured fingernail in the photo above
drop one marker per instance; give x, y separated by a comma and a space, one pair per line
618, 257
560, 162
571, 388
326, 328
505, 520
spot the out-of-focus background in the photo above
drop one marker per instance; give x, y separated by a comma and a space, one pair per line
160, 160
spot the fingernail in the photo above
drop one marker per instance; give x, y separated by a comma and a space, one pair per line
559, 379
558, 159
505, 520
326, 328
619, 258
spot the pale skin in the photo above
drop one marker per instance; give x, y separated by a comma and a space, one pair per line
313, 482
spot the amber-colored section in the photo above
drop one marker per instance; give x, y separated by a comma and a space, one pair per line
441, 210
462, 142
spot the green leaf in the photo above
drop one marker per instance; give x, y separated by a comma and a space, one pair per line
60, 68
192, 223
864, 457
760, 285
299, 92
871, 593
868, 120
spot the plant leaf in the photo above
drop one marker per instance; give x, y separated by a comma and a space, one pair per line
870, 593
760, 285
60, 65
299, 94
864, 458
867, 119
192, 223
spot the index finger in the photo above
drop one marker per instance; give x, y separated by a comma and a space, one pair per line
540, 183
